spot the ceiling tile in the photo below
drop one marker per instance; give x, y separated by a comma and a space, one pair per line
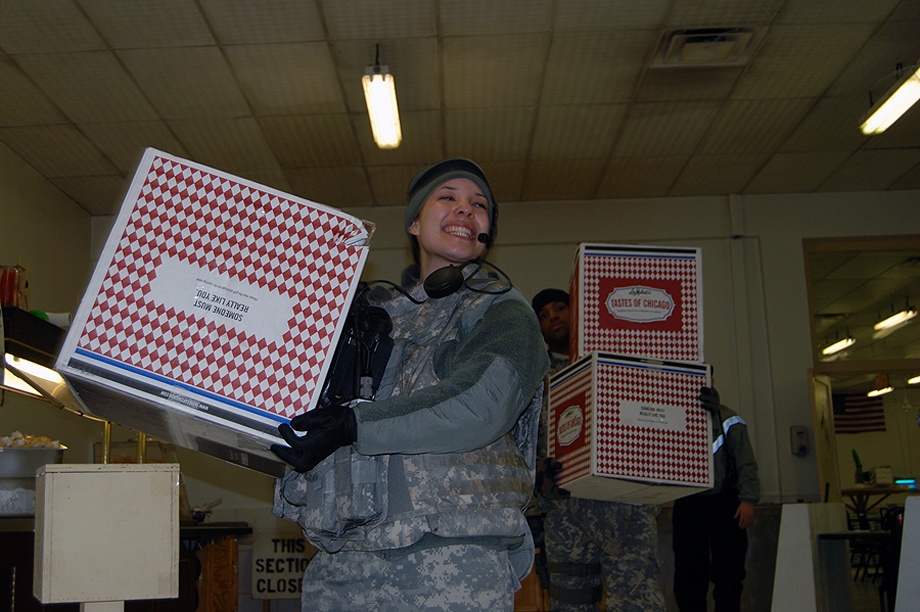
186, 82
354, 19
140, 24
839, 11
124, 143
27, 26
818, 53
312, 141
587, 67
685, 84
830, 125
325, 185
586, 15
265, 21
506, 179
909, 180
667, 129
98, 195
21, 101
753, 126
800, 172
628, 177
870, 170
226, 144
493, 70
57, 150
287, 78
488, 134
388, 184
874, 69
89, 86
723, 13
554, 180
484, 17
705, 174
576, 132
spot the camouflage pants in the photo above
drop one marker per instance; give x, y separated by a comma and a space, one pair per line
462, 577
621, 540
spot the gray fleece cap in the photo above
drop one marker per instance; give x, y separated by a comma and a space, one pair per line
436, 174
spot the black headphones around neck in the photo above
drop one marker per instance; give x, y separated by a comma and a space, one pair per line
449, 279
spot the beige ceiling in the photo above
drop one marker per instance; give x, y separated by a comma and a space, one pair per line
557, 99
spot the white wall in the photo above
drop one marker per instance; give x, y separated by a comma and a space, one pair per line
45, 231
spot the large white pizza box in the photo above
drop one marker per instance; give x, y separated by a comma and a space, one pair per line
630, 429
213, 310
645, 301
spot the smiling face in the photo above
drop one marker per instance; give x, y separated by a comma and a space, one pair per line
449, 223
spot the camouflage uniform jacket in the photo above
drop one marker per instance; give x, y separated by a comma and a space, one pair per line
435, 454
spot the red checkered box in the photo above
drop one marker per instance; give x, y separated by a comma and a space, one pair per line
213, 310
637, 300
629, 429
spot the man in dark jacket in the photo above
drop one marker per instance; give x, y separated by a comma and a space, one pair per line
710, 528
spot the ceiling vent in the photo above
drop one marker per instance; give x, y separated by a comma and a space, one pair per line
706, 47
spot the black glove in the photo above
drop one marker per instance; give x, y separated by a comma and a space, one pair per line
546, 480
710, 399
327, 429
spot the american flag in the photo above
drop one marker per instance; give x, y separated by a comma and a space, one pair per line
856, 413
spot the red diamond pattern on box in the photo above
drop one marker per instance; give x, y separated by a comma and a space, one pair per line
216, 297
630, 429
637, 300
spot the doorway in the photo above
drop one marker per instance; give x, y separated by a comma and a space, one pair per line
853, 284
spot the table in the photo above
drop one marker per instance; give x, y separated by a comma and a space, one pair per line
861, 498
888, 544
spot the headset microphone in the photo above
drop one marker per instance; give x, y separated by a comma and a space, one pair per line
484, 238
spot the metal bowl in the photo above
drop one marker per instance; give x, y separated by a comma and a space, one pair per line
18, 468
25, 460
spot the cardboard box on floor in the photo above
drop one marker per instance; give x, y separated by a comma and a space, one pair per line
630, 429
213, 310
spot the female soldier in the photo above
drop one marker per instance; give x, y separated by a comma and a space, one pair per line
415, 499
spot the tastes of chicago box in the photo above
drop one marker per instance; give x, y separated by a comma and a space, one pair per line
629, 429
644, 301
213, 310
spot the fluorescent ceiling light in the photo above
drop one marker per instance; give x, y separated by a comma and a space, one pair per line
881, 386
897, 318
838, 346
882, 391
380, 96
914, 380
897, 101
